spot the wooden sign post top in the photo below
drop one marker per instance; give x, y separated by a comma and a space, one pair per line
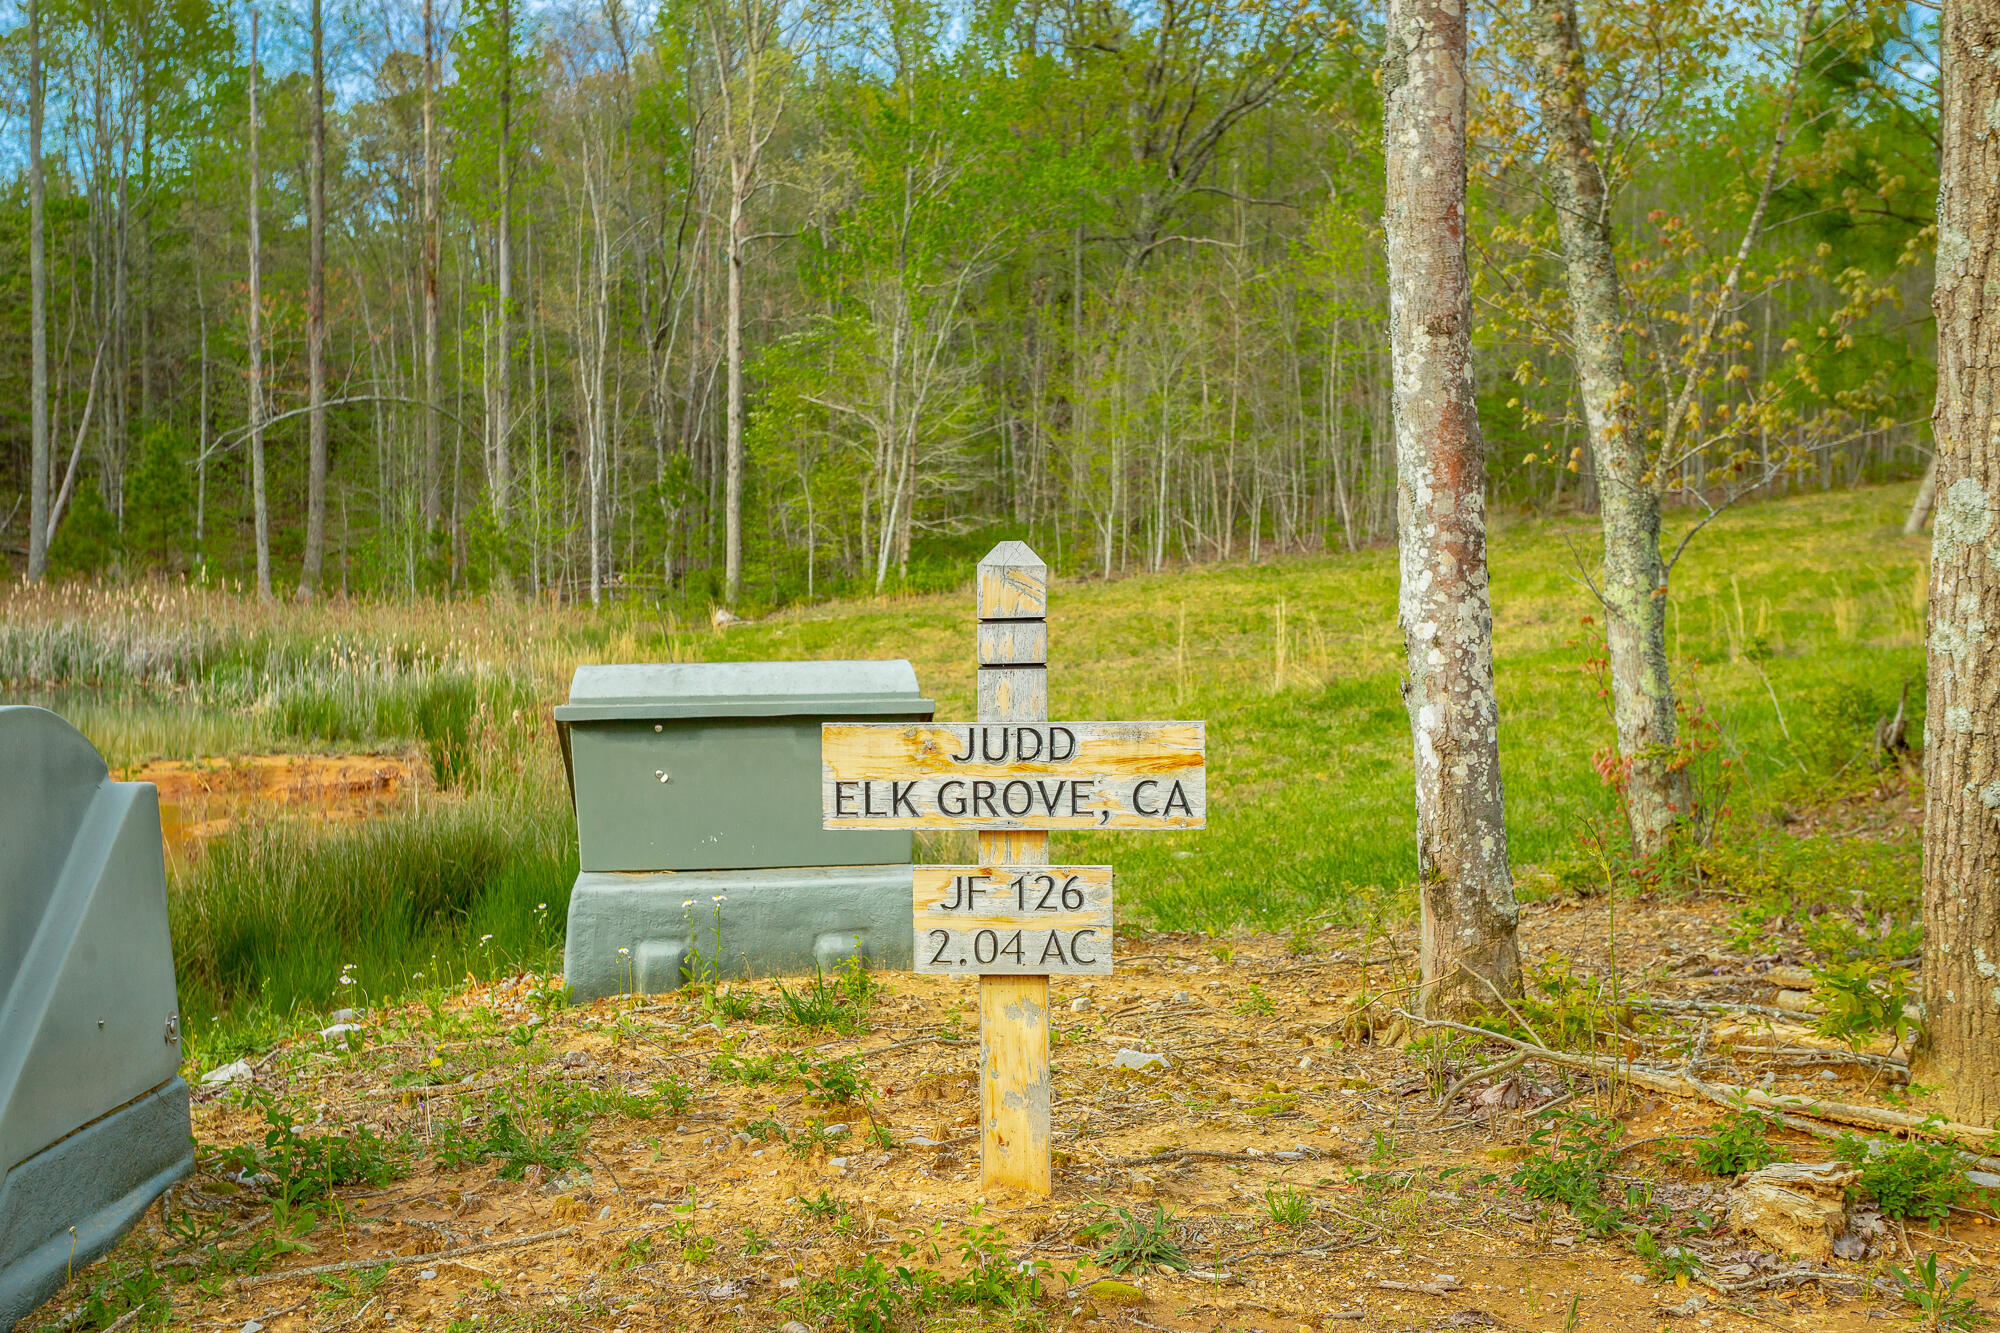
1013, 920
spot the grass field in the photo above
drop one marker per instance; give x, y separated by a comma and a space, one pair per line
1797, 623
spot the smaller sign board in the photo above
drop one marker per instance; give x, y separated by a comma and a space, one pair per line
1013, 920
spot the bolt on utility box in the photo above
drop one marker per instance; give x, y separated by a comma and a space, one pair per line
698, 781
93, 1112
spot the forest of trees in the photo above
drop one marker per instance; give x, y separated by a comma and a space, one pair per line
763, 298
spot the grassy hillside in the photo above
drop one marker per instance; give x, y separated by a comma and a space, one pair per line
1797, 624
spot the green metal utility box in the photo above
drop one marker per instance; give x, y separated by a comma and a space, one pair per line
697, 795
93, 1113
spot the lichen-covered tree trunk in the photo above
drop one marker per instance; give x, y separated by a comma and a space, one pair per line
1960, 1050
1466, 890
1633, 589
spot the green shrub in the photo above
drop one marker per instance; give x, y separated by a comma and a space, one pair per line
1740, 1143
1908, 1179
307, 1167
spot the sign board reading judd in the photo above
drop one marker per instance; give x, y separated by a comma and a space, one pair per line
1063, 775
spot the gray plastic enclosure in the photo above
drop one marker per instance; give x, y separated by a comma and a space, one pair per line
698, 780
93, 1114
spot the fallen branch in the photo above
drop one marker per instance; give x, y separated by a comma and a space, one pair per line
1828, 1055
1331, 1248
405, 1260
1172, 1155
1514, 1061
1788, 1109
1724, 1007
1428, 1288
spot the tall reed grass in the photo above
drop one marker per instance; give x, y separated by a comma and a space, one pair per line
272, 918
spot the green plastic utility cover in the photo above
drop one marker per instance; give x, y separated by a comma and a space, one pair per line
715, 765
93, 1115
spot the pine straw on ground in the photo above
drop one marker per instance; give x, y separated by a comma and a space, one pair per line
1282, 1077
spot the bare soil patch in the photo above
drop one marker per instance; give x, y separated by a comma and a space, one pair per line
1282, 1080
202, 798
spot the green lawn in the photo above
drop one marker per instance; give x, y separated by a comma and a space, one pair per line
1812, 606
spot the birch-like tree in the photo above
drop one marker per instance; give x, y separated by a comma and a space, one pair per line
1466, 891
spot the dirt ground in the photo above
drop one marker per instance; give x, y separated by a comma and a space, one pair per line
1277, 1076
202, 798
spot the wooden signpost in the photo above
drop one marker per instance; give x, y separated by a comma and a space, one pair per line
1013, 920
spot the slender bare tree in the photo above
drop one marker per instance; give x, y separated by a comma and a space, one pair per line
38, 310
502, 478
255, 338
1467, 947
315, 552
745, 39
1960, 1048
1634, 583
433, 367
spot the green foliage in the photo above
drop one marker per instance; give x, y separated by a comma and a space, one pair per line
1740, 1143
1909, 1179
1288, 1206
1141, 1240
675, 1096
822, 1005
1664, 1263
836, 1082
1570, 1161
87, 543
125, 1293
1862, 999
1941, 1308
1571, 1011
825, 1207
533, 1122
159, 501
766, 1130
307, 1167
1847, 899
868, 1296
1256, 1004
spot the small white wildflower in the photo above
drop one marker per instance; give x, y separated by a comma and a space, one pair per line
623, 951
687, 902
483, 940
722, 897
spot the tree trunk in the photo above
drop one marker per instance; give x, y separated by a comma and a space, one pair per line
315, 552
502, 480
38, 311
433, 450
1634, 589
255, 338
1920, 507
1960, 1048
732, 516
1467, 948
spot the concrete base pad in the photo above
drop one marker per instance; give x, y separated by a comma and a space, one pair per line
98, 1181
772, 923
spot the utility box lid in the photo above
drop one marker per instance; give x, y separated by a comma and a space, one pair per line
716, 765
743, 689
